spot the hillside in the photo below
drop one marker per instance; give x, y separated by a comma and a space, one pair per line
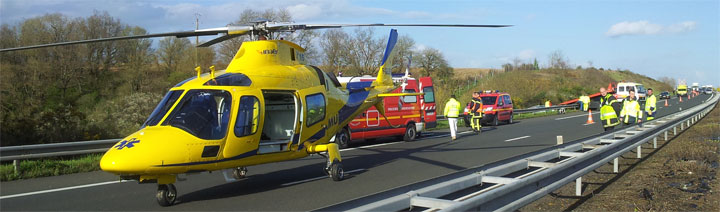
530, 88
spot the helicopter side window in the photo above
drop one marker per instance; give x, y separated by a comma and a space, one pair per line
315, 108
202, 113
247, 117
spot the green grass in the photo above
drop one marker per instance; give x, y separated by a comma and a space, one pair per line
51, 167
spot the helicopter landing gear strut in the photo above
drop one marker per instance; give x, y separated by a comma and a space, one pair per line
333, 167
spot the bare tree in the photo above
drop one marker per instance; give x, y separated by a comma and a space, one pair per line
432, 63
557, 60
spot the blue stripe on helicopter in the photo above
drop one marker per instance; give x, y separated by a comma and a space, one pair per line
353, 104
240, 156
313, 138
357, 86
318, 135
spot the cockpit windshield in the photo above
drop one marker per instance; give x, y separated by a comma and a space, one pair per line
202, 113
165, 104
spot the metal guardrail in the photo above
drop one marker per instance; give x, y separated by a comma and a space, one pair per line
58, 149
519, 111
512, 184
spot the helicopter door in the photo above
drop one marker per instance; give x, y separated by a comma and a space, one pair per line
281, 118
314, 117
243, 137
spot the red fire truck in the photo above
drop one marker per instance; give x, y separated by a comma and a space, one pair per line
412, 113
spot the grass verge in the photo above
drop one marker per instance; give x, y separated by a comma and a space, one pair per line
50, 167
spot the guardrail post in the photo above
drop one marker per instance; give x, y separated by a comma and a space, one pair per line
682, 125
666, 135
616, 164
559, 139
655, 143
16, 166
675, 130
578, 186
639, 148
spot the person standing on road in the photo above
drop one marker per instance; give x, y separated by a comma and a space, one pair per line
631, 112
452, 110
650, 104
608, 116
476, 110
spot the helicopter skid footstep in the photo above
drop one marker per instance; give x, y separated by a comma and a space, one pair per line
318, 178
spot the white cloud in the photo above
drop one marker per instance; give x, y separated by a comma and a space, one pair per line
526, 54
302, 12
647, 28
682, 27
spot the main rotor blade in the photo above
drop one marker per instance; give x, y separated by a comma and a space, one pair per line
213, 31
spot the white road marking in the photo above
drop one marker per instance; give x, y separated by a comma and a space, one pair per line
60, 189
574, 116
518, 138
317, 178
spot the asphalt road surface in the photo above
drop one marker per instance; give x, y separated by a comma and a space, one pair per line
301, 185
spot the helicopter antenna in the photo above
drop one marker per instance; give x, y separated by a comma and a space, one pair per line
197, 38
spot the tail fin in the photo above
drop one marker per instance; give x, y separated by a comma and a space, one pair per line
384, 77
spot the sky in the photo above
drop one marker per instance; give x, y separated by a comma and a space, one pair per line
677, 39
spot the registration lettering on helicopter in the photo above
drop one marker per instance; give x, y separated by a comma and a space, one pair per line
268, 51
333, 120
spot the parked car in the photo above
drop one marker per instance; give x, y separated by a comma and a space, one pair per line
664, 95
497, 107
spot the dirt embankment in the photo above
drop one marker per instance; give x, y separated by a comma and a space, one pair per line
682, 175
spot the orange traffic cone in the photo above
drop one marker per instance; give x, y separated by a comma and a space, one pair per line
680, 98
590, 120
666, 104
690, 96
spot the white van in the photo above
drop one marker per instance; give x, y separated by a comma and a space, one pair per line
623, 91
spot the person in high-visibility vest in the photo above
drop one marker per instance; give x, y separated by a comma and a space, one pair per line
608, 116
650, 104
476, 110
631, 112
547, 103
452, 110
586, 102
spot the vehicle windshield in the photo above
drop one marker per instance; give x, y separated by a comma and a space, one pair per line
488, 100
664, 93
165, 104
202, 113
682, 89
641, 89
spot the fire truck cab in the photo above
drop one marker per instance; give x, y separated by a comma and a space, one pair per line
413, 114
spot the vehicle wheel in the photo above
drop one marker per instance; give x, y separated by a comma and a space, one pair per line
240, 173
410, 133
166, 194
336, 171
510, 121
343, 138
495, 121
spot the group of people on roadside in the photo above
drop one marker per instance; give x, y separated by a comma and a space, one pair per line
612, 113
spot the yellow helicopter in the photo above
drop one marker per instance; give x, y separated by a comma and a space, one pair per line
267, 106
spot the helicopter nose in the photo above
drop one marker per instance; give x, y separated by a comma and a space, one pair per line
147, 151
118, 161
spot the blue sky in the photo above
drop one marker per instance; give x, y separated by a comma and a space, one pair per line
678, 39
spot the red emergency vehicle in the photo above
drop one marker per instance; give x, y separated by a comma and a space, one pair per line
497, 107
412, 113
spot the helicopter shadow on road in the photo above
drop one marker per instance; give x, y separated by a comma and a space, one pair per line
311, 172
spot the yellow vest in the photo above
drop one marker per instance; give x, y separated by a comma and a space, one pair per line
631, 108
452, 108
651, 104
